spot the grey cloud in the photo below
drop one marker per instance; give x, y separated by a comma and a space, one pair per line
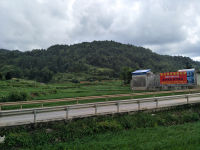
183, 49
164, 26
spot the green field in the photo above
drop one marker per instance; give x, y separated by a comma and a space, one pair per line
37, 91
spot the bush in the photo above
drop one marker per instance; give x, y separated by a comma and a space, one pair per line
1, 76
47, 87
75, 80
55, 91
16, 95
91, 80
99, 79
8, 76
37, 94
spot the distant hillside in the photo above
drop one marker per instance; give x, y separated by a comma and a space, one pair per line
98, 58
3, 50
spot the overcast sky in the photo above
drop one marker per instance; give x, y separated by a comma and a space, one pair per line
169, 27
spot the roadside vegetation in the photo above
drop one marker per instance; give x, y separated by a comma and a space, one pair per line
175, 137
178, 128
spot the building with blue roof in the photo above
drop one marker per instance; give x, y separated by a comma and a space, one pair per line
146, 80
141, 72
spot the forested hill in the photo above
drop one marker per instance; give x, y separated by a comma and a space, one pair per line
101, 57
3, 50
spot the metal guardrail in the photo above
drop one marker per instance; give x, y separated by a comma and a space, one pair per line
92, 97
96, 105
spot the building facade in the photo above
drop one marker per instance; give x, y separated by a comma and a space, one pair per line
150, 81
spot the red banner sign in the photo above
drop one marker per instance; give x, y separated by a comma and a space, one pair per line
173, 78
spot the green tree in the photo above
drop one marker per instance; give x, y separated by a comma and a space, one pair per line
46, 75
75, 80
8, 76
1, 76
82, 57
126, 74
188, 66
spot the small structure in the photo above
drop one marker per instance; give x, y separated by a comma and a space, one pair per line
146, 80
142, 72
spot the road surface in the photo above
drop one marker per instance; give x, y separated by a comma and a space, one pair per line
23, 119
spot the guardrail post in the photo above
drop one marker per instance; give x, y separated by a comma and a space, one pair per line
172, 92
117, 106
67, 112
21, 106
0, 108
187, 99
106, 99
42, 105
131, 96
76, 101
35, 116
138, 105
189, 91
156, 103
96, 109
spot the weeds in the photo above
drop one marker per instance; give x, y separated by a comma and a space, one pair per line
111, 125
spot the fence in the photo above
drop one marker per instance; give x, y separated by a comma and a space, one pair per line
97, 105
92, 97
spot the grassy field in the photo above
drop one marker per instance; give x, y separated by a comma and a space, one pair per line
39, 91
65, 89
176, 137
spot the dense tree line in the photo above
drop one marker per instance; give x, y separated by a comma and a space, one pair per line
41, 64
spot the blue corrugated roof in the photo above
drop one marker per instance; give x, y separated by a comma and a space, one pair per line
141, 71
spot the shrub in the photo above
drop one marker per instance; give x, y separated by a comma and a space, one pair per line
37, 94
91, 80
99, 79
16, 95
195, 117
1, 76
4, 99
47, 87
55, 91
8, 76
75, 80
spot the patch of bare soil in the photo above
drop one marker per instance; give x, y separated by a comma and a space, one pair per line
33, 94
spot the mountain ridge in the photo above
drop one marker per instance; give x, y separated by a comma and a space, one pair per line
88, 57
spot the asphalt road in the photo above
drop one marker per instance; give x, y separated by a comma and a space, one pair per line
22, 119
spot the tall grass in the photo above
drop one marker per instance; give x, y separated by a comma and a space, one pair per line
164, 130
175, 137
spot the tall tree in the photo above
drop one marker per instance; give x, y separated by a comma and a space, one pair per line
1, 76
8, 76
126, 74
188, 66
